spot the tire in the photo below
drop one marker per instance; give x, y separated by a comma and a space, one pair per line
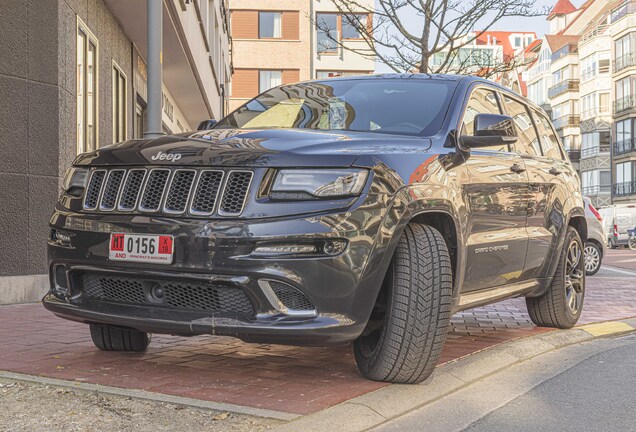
112, 338
407, 329
561, 305
631, 243
593, 258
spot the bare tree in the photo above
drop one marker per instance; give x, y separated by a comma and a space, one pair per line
444, 31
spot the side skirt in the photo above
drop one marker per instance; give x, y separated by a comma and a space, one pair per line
491, 295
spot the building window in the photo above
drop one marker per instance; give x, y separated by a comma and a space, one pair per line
268, 79
87, 51
119, 104
351, 25
624, 175
327, 33
269, 25
517, 41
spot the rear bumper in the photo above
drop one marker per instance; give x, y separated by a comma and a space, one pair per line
340, 288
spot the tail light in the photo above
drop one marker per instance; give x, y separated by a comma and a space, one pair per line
615, 230
596, 213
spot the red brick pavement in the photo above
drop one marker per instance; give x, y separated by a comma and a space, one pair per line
290, 379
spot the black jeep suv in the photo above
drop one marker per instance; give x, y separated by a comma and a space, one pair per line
366, 209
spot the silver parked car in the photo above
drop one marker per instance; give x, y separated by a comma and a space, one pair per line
596, 238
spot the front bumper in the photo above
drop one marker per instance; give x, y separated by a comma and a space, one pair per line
216, 253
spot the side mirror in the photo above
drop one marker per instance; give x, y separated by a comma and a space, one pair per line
207, 124
491, 130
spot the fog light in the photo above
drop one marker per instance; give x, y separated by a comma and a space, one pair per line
62, 236
284, 249
334, 247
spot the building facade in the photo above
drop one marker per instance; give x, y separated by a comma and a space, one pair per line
73, 79
622, 28
278, 43
581, 77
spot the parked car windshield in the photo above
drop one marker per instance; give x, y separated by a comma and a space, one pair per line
396, 106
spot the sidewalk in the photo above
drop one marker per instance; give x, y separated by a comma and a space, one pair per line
272, 377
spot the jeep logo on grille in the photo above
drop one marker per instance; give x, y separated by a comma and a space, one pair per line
166, 156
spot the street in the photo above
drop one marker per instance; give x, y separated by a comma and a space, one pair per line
586, 387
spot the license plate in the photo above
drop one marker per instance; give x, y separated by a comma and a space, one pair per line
144, 248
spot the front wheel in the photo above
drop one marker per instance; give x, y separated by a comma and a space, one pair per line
112, 338
593, 256
561, 305
405, 335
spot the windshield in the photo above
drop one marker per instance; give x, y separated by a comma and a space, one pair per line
398, 106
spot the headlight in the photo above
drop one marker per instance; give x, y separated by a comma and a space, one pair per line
75, 178
318, 183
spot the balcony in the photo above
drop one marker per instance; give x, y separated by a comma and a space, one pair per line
569, 85
571, 48
624, 61
625, 188
596, 189
603, 111
624, 146
593, 151
596, 31
623, 10
624, 104
570, 120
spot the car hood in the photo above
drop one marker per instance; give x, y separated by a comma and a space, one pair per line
253, 148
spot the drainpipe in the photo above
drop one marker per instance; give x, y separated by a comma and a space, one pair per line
155, 75
312, 46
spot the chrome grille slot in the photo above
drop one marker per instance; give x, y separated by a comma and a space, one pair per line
154, 190
170, 191
94, 190
206, 193
235, 193
111, 190
132, 187
179, 191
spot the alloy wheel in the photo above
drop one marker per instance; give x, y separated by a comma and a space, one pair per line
574, 277
592, 259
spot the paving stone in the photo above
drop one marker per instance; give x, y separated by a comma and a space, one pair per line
283, 378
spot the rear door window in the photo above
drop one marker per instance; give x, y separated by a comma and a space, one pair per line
549, 140
528, 142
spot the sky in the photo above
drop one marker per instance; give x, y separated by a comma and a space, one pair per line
535, 24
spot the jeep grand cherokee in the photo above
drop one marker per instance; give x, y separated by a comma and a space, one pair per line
364, 209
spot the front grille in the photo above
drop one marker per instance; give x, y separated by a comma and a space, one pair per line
175, 294
205, 192
93, 192
235, 192
291, 297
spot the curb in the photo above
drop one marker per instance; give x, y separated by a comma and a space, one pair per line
151, 396
372, 409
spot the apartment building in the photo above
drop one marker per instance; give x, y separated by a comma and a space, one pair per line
572, 79
494, 54
73, 79
622, 27
278, 43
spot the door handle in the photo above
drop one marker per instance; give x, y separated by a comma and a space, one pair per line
516, 168
554, 171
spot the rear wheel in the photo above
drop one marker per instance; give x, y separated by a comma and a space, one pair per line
111, 338
593, 256
407, 329
562, 304
632, 242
